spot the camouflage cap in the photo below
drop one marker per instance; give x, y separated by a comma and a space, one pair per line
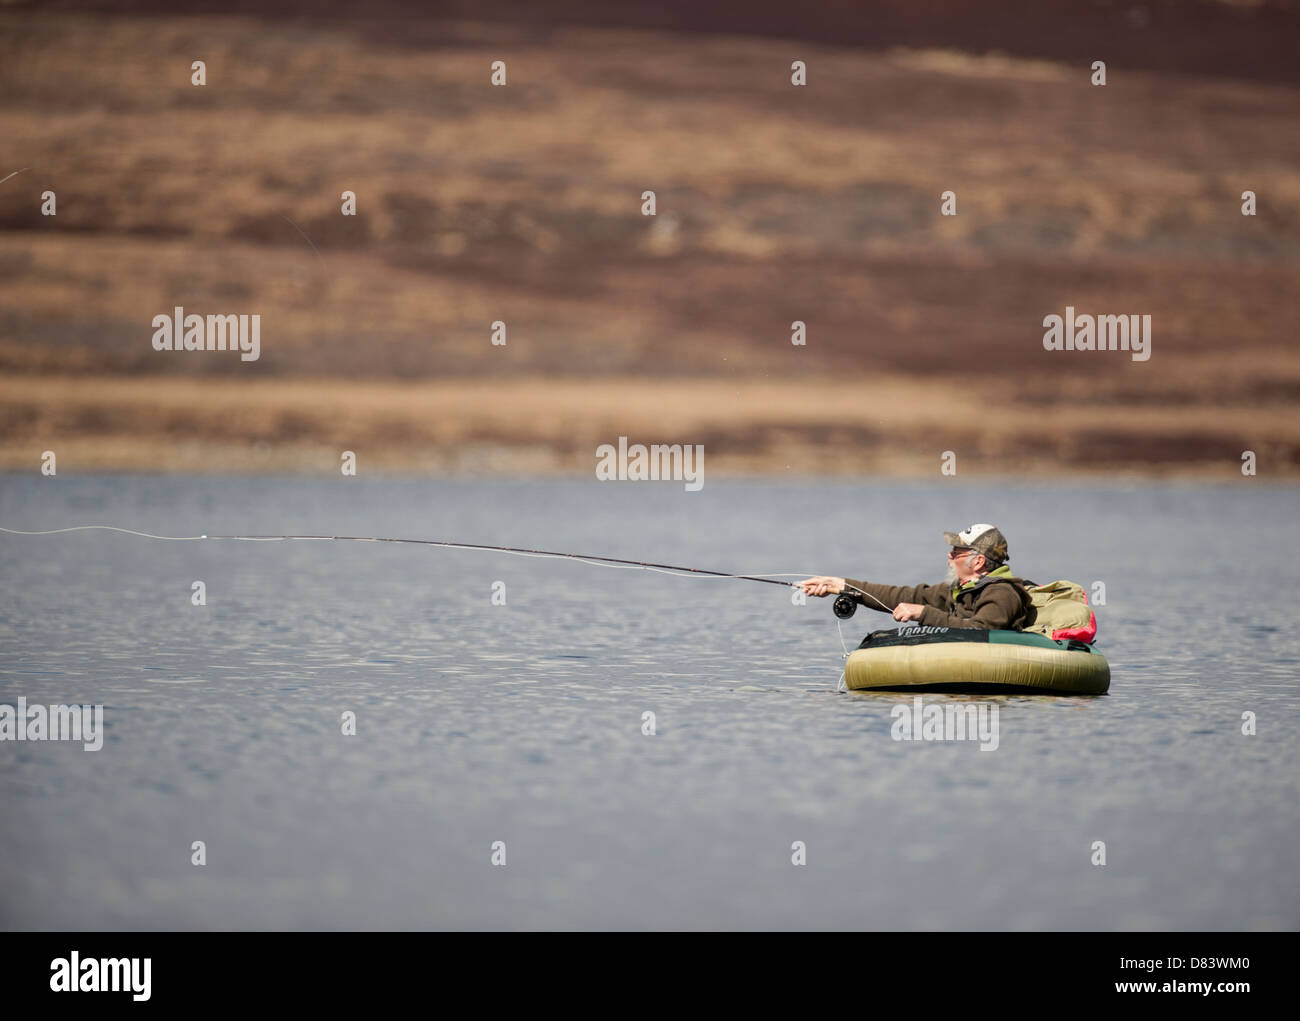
982, 538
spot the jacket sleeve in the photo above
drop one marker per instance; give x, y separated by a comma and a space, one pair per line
934, 597
997, 607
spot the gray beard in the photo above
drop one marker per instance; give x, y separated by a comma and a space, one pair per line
951, 577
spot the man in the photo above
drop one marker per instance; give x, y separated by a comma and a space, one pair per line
979, 592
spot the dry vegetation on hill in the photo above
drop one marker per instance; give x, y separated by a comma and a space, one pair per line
522, 204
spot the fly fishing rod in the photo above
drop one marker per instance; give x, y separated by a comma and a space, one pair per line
445, 544
581, 557
844, 606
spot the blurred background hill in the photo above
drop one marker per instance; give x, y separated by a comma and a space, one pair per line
775, 203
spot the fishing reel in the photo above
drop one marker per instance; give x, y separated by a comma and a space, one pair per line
845, 606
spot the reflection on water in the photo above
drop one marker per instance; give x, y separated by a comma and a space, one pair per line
523, 722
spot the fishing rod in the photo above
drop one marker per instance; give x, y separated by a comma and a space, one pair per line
581, 557
445, 544
844, 606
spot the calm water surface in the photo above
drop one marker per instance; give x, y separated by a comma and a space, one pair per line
523, 723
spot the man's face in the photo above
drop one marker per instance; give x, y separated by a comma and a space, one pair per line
965, 563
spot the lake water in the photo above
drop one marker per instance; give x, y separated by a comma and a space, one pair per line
522, 723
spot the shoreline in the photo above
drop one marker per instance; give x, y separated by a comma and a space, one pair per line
895, 427
1115, 479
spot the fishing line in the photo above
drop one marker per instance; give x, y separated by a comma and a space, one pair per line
844, 606
584, 558
839, 627
844, 603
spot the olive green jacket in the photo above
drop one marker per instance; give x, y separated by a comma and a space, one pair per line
998, 600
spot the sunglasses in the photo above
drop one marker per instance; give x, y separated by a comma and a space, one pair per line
960, 552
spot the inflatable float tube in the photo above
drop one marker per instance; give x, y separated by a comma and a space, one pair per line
975, 660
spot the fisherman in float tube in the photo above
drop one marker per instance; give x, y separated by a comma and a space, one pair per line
979, 591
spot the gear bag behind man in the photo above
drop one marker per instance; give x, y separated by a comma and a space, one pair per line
1061, 611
